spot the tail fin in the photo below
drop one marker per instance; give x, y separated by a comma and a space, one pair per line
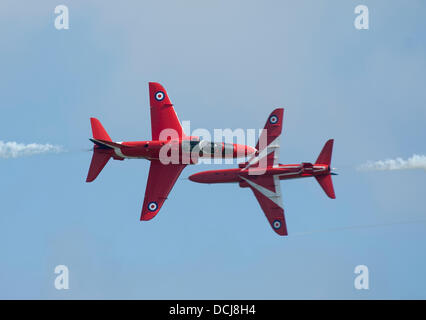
98, 130
325, 159
325, 155
101, 154
99, 160
326, 184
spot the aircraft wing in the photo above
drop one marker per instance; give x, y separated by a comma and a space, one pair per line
163, 115
267, 190
268, 145
161, 179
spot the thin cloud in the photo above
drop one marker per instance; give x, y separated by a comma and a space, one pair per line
414, 162
11, 149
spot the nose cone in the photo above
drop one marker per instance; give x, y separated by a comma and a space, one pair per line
250, 150
241, 151
197, 177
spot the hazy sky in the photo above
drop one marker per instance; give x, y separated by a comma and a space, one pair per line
225, 64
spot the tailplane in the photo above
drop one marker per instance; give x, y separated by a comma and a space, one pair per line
101, 152
325, 159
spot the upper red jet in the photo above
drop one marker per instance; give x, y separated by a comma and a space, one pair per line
168, 139
262, 173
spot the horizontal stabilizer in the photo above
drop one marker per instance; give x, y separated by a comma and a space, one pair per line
105, 143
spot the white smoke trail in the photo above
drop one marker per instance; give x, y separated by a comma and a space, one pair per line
11, 149
415, 162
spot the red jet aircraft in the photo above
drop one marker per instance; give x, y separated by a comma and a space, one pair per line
262, 173
166, 132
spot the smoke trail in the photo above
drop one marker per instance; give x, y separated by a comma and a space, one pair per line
415, 162
13, 149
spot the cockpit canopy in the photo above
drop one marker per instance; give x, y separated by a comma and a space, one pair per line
205, 148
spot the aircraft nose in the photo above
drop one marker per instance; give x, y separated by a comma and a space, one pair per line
196, 177
250, 150
243, 150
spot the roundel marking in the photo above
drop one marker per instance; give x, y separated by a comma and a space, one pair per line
152, 206
273, 119
159, 95
276, 224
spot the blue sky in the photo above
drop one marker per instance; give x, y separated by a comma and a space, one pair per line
225, 64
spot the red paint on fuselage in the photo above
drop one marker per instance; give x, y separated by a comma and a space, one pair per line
142, 149
182, 148
283, 171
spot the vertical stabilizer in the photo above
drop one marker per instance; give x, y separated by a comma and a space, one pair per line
99, 133
325, 159
326, 152
99, 159
101, 154
327, 185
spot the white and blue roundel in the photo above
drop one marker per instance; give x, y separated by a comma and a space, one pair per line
159, 95
273, 119
276, 224
152, 206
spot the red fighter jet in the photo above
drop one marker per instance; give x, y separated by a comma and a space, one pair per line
262, 173
167, 133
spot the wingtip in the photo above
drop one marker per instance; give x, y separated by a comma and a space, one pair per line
282, 233
94, 120
90, 179
152, 85
146, 216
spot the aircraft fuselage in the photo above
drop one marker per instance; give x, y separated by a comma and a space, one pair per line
282, 171
183, 149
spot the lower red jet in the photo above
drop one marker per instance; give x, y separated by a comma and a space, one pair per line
167, 133
262, 173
